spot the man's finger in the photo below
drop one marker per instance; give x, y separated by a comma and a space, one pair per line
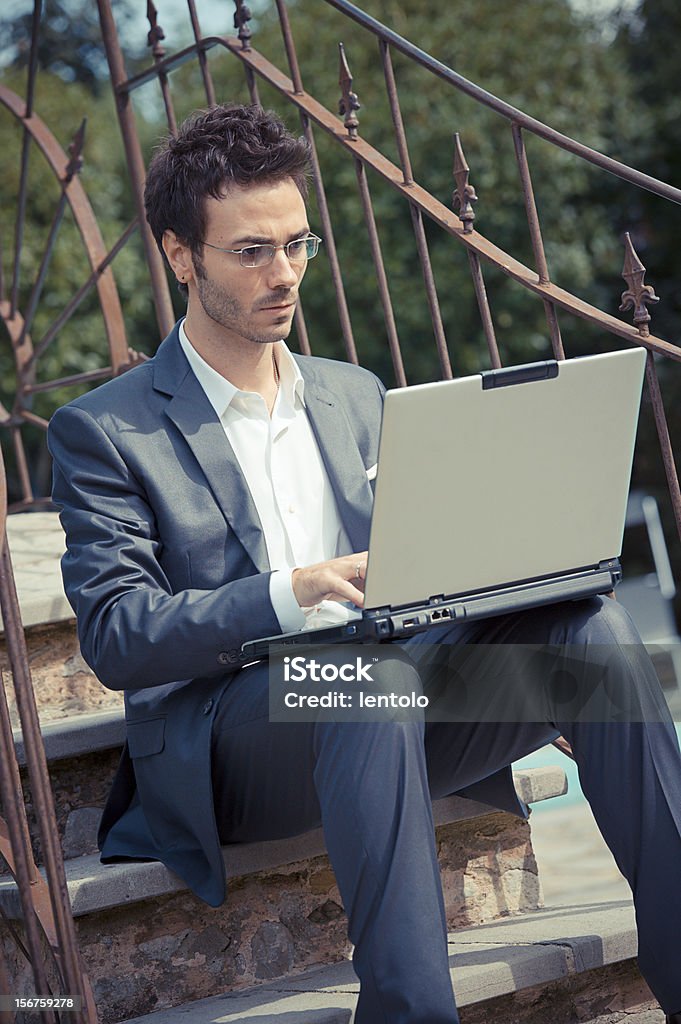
345, 591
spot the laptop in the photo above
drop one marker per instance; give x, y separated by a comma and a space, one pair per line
496, 492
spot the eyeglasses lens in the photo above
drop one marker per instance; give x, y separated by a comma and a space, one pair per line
299, 250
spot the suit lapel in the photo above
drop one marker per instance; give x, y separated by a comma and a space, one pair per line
342, 460
194, 416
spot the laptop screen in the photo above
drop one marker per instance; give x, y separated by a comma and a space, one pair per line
482, 487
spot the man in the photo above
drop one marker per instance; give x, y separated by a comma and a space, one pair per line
221, 492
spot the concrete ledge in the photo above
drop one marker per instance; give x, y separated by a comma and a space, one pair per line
486, 962
94, 886
77, 735
147, 941
36, 544
536, 784
568, 940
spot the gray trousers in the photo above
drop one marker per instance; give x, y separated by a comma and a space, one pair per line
370, 785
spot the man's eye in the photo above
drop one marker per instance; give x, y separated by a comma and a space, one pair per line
251, 251
296, 247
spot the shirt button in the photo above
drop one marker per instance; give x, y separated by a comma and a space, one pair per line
292, 508
208, 707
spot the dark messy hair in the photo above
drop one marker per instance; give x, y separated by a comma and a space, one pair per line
213, 150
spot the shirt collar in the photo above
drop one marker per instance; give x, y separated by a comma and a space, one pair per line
220, 392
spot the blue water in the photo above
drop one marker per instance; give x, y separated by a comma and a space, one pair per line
550, 756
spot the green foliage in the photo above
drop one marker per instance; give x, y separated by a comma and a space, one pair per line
648, 42
81, 344
540, 56
69, 42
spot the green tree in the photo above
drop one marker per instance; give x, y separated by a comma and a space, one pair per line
542, 57
81, 343
646, 40
69, 42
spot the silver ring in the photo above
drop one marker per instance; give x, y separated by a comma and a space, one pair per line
358, 571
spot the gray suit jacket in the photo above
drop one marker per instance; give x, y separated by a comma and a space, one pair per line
167, 572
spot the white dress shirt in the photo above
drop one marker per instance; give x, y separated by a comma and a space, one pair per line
285, 474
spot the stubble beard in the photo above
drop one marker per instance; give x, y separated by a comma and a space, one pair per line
226, 310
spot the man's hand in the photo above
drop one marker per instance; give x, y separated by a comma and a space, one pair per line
341, 579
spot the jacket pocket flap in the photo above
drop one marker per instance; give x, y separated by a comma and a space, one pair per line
146, 737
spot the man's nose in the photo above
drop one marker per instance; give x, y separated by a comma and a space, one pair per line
282, 272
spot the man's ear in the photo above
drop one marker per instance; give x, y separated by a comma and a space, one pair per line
178, 256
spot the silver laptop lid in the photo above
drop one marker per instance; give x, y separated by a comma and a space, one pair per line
485, 486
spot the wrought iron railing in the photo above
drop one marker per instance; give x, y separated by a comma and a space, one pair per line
459, 224
346, 133
28, 351
49, 907
46, 911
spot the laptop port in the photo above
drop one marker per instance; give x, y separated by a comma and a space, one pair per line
410, 623
443, 613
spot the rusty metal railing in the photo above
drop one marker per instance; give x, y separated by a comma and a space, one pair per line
46, 910
45, 903
458, 222
28, 351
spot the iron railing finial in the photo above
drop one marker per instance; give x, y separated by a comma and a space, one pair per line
349, 104
464, 194
156, 33
638, 295
242, 16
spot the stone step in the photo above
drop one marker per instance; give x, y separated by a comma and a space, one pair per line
36, 543
94, 886
62, 682
82, 752
283, 911
558, 964
77, 735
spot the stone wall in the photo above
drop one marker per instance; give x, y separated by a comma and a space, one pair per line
62, 682
175, 948
488, 869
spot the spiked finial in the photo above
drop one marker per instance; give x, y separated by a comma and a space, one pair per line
75, 163
155, 33
464, 194
242, 16
638, 295
349, 102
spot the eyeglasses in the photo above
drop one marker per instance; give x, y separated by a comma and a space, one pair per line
298, 251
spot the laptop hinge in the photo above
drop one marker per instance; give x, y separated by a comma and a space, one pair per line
612, 565
502, 378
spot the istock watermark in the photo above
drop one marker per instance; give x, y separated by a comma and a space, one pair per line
557, 683
301, 669
372, 682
